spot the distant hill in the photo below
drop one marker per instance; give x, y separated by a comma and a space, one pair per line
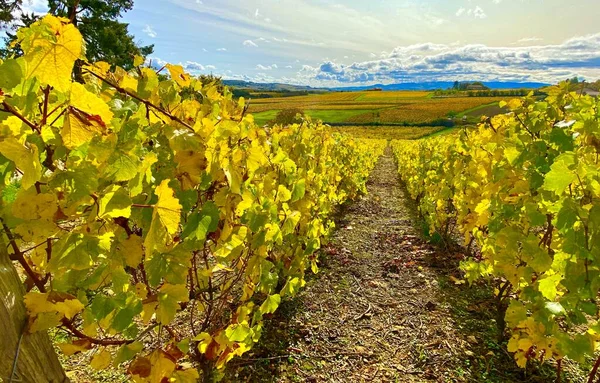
432, 85
271, 87
444, 85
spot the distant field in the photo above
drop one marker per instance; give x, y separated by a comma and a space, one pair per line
389, 132
368, 107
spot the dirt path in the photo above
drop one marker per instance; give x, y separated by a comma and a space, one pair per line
381, 309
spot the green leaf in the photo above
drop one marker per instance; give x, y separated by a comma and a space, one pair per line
237, 332
115, 203
127, 352
547, 286
299, 190
201, 224
11, 74
121, 167
168, 302
270, 304
560, 175
172, 266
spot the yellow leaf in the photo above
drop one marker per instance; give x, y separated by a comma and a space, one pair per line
149, 309
256, 158
50, 48
167, 209
178, 75
69, 308
25, 158
129, 83
132, 251
189, 375
283, 194
80, 127
88, 102
101, 360
75, 347
138, 60
162, 367
204, 340
169, 297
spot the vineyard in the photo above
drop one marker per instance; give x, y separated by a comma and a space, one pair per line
381, 108
155, 229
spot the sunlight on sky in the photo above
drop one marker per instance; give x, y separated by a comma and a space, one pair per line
357, 42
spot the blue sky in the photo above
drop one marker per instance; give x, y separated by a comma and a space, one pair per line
335, 42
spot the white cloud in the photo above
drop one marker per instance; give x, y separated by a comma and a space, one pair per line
149, 31
221, 49
192, 65
579, 56
257, 13
249, 43
289, 67
266, 67
476, 12
37, 7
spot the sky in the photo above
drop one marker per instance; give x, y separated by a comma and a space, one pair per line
364, 42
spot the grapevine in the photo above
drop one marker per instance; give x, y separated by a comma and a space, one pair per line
525, 188
155, 223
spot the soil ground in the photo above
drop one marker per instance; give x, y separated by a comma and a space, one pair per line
386, 307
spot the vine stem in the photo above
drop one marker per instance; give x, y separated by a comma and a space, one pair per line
9, 109
143, 101
594, 371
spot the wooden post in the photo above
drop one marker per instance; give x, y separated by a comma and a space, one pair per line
37, 361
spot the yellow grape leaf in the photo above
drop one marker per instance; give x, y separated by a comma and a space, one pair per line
178, 75
155, 368
51, 46
101, 360
189, 375
129, 83
167, 209
204, 340
138, 60
169, 297
149, 309
80, 127
132, 250
46, 310
165, 219
256, 158
26, 159
77, 346
88, 102
30, 205
283, 194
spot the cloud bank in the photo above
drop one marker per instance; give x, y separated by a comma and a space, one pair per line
578, 56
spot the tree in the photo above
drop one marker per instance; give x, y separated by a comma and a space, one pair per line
8, 9
288, 117
107, 38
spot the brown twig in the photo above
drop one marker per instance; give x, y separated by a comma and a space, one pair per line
594, 371
9, 109
145, 102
